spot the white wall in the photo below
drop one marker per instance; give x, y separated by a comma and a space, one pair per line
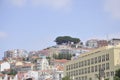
4, 65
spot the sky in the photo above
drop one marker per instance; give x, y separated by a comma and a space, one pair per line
34, 24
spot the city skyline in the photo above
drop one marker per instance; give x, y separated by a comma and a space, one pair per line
34, 24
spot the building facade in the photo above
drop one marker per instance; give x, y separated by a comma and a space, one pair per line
4, 66
43, 64
93, 43
16, 53
114, 41
89, 65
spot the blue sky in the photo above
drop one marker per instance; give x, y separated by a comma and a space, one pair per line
34, 24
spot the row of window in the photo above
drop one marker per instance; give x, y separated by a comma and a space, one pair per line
81, 78
89, 69
108, 74
88, 62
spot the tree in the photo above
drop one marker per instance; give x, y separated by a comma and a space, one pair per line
55, 56
12, 72
63, 56
48, 58
66, 78
107, 79
116, 78
66, 40
117, 75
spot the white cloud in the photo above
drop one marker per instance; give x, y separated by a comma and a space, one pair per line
56, 4
113, 7
3, 35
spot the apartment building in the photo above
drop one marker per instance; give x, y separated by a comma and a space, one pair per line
95, 43
114, 41
16, 53
88, 65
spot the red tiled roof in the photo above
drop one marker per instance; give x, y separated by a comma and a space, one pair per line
61, 60
60, 68
2, 75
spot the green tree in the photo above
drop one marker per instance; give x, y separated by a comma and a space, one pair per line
55, 56
12, 72
107, 79
117, 75
48, 58
116, 78
63, 56
66, 39
66, 78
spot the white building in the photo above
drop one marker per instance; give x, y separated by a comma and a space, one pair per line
16, 53
58, 75
4, 65
114, 41
30, 74
43, 64
93, 43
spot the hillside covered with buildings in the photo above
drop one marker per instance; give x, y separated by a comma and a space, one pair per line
72, 58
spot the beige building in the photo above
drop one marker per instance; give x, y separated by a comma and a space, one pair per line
89, 65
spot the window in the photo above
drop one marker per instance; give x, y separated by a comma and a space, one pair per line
76, 65
88, 69
107, 66
90, 78
107, 74
92, 61
85, 63
103, 66
76, 79
67, 74
80, 72
82, 78
112, 73
85, 70
92, 69
82, 63
74, 73
71, 66
96, 68
88, 61
103, 58
60, 76
66, 68
99, 59
107, 57
95, 59
79, 64
79, 78
99, 66
85, 77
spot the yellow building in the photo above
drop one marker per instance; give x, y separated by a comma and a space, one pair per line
88, 65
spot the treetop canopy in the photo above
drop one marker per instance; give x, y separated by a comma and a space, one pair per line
66, 39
